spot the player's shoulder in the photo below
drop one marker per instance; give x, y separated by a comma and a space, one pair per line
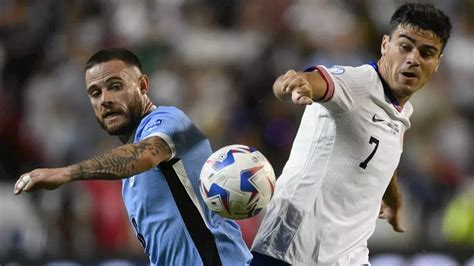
363, 71
168, 110
162, 115
407, 109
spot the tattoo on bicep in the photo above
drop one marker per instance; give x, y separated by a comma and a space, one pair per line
156, 146
123, 161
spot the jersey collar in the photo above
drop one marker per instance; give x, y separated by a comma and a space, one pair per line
387, 90
131, 139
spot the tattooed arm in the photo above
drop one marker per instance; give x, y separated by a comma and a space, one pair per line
121, 162
124, 161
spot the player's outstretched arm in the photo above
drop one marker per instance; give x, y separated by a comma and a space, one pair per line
300, 87
121, 162
391, 205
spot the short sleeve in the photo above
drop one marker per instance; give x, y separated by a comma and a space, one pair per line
166, 124
347, 87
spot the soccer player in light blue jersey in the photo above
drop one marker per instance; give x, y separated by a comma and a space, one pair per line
159, 164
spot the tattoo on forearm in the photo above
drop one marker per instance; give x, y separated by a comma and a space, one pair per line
123, 161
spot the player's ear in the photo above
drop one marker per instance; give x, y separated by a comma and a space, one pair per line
143, 83
384, 45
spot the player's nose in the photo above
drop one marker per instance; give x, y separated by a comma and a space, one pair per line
106, 98
413, 58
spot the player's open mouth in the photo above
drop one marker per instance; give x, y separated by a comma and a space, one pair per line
111, 114
409, 75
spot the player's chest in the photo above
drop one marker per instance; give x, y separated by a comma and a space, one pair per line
373, 126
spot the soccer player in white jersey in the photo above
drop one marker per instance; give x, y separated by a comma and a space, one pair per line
348, 146
159, 165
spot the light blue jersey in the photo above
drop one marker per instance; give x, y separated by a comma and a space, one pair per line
164, 205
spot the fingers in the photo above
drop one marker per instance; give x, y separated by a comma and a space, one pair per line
398, 228
384, 212
292, 81
298, 87
26, 182
298, 98
30, 185
22, 184
392, 219
305, 100
290, 75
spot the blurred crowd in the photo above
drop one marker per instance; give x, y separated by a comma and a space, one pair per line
216, 60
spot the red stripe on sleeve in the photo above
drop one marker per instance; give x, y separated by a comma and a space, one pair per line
330, 84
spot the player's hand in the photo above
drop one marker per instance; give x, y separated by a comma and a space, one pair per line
393, 217
42, 178
296, 85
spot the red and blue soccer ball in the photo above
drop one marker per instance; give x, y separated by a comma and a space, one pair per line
237, 182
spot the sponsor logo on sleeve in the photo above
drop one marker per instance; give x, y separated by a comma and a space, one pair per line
153, 125
336, 70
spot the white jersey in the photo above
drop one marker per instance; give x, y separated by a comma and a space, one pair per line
328, 197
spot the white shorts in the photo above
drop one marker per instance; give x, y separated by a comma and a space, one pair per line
359, 256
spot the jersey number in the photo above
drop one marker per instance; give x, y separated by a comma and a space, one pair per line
372, 140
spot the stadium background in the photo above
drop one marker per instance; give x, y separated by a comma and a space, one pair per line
216, 60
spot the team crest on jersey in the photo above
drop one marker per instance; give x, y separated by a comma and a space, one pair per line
336, 70
154, 125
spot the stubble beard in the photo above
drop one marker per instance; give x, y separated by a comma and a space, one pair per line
130, 122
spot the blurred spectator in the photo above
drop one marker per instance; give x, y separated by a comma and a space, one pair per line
458, 222
22, 229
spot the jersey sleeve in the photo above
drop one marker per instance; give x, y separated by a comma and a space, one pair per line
347, 87
166, 124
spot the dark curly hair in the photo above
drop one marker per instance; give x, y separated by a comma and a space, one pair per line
104, 55
423, 16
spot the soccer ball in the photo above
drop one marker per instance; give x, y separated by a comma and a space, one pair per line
237, 182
